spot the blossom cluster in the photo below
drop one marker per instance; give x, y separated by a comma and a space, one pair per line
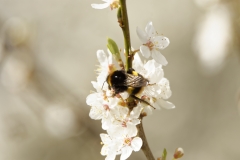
120, 122
118, 119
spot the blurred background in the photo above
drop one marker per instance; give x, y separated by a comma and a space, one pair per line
48, 58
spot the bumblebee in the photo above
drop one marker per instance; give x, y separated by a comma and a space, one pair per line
130, 81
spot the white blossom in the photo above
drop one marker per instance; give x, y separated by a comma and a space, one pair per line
102, 109
110, 147
124, 145
108, 3
158, 89
152, 44
130, 144
125, 123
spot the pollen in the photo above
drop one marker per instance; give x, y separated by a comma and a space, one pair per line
127, 141
115, 4
106, 107
124, 124
150, 45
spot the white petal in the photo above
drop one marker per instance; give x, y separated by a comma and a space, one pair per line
136, 121
102, 57
91, 98
122, 113
95, 113
150, 30
136, 112
148, 110
106, 122
161, 42
166, 104
109, 56
126, 152
105, 138
137, 62
142, 35
145, 51
100, 6
156, 77
116, 131
104, 150
158, 57
113, 102
111, 156
136, 144
150, 65
131, 130
156, 105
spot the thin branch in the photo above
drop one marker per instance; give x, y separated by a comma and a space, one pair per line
126, 33
145, 147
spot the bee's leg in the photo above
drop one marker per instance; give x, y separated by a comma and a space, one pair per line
140, 100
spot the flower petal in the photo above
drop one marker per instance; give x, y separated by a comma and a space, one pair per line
126, 152
161, 42
136, 144
100, 6
109, 57
104, 150
150, 30
95, 113
102, 58
131, 130
145, 51
166, 104
136, 112
111, 156
142, 35
137, 62
147, 110
106, 122
105, 138
94, 100
158, 57
136, 121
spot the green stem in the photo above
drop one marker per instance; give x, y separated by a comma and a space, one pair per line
126, 33
145, 147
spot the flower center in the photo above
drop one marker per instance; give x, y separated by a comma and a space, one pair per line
124, 123
106, 107
115, 4
127, 141
150, 45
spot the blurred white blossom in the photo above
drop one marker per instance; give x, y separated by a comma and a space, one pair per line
213, 38
61, 121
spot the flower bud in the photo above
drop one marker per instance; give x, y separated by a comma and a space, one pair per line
178, 153
113, 48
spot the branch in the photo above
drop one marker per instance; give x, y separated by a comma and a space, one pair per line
145, 147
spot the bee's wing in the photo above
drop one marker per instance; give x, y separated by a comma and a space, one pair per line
135, 81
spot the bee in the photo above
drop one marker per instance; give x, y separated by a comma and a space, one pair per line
130, 81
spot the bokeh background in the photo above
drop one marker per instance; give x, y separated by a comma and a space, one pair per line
48, 58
